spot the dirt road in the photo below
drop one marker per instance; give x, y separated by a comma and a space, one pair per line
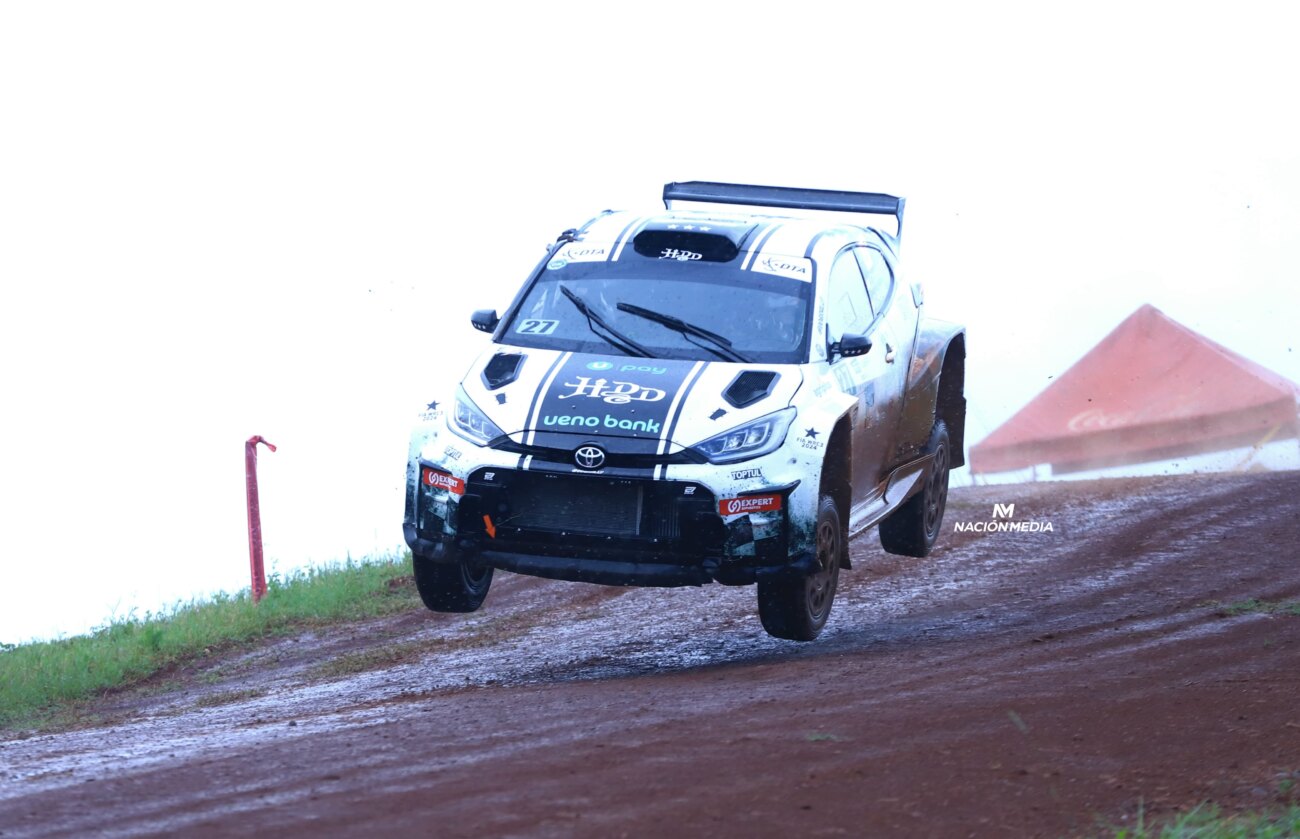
1012, 684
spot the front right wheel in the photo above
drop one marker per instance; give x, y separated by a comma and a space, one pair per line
456, 586
796, 608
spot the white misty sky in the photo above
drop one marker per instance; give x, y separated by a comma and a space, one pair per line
219, 220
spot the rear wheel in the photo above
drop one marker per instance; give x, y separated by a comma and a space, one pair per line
912, 529
796, 608
456, 586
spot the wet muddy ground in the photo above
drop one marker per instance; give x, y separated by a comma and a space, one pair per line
1011, 684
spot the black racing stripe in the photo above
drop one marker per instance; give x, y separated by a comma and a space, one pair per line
681, 406
629, 423
743, 241
624, 242
537, 394
812, 243
612, 396
760, 243
771, 231
618, 240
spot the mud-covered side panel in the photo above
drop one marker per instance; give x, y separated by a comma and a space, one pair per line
934, 339
822, 406
423, 444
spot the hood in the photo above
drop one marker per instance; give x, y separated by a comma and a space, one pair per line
633, 403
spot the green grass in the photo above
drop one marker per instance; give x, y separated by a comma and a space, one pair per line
1290, 608
1207, 822
40, 679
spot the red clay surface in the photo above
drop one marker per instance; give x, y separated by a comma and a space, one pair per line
1011, 684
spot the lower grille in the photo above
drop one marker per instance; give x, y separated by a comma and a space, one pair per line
584, 506
543, 508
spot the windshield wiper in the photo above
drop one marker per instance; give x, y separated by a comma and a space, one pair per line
615, 338
721, 346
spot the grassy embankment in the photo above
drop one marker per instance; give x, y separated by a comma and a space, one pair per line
1207, 822
41, 680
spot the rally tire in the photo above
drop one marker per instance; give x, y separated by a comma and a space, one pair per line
456, 586
796, 607
912, 529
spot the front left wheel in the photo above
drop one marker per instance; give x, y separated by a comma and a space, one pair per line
796, 608
456, 586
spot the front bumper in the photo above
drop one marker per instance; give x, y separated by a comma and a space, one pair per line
601, 528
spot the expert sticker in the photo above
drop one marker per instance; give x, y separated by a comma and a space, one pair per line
749, 504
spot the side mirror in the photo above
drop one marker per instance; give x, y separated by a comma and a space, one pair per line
485, 320
849, 345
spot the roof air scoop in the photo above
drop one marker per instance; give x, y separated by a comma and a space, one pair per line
750, 386
675, 241
502, 369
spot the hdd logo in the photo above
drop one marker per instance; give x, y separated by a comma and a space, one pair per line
616, 393
1004, 511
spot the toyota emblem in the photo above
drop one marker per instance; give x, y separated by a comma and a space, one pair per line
589, 457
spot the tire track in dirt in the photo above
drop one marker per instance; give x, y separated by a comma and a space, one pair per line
576, 709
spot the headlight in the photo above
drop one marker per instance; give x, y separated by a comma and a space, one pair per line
753, 439
471, 423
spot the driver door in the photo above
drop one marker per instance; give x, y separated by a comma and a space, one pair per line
874, 379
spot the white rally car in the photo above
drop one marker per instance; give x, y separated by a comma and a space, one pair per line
694, 396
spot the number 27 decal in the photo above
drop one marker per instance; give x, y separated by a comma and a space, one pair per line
534, 326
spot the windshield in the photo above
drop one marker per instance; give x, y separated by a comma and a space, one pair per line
710, 312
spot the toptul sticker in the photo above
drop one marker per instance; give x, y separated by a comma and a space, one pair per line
441, 480
749, 504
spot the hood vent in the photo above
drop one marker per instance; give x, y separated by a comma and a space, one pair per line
661, 242
750, 386
502, 369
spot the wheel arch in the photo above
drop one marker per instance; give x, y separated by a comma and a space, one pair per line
950, 405
936, 385
837, 479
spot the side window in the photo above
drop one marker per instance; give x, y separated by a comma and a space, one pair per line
879, 277
847, 306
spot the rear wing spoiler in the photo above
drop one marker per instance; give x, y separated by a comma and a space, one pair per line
834, 200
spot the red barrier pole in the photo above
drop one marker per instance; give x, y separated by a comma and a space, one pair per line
254, 517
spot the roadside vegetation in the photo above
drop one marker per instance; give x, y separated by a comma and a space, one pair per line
1256, 606
1207, 822
40, 680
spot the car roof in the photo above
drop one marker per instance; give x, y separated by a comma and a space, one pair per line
751, 232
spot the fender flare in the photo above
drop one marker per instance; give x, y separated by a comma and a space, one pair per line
936, 385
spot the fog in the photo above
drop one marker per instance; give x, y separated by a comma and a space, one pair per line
235, 219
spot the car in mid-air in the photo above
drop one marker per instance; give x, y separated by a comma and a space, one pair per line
724, 393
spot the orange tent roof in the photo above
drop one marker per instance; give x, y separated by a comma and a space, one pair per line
1150, 390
